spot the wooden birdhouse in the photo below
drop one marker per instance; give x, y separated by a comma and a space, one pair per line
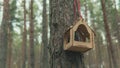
79, 37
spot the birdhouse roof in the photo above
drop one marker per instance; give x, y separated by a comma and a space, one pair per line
78, 22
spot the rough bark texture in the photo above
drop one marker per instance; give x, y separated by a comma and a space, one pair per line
111, 48
62, 17
4, 34
24, 55
32, 58
44, 56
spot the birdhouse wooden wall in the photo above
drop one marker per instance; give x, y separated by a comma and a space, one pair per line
79, 37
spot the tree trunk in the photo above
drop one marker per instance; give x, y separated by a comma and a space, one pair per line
24, 45
4, 34
116, 23
9, 55
117, 31
44, 55
10, 33
111, 49
32, 59
98, 42
62, 17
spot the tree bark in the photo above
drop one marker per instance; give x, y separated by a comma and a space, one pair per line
10, 33
4, 34
117, 31
31, 41
111, 49
9, 55
24, 45
44, 55
62, 17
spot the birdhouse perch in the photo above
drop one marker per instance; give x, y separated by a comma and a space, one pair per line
79, 37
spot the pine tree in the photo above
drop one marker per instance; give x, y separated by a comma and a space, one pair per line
10, 33
111, 48
44, 56
24, 45
31, 41
4, 34
61, 18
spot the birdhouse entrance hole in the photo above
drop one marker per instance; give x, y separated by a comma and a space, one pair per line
81, 34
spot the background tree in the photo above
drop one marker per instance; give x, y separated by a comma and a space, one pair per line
111, 48
24, 45
31, 41
4, 34
10, 33
44, 55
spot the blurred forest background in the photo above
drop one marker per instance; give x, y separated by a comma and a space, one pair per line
25, 33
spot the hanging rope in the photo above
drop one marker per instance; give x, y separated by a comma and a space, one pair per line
77, 9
